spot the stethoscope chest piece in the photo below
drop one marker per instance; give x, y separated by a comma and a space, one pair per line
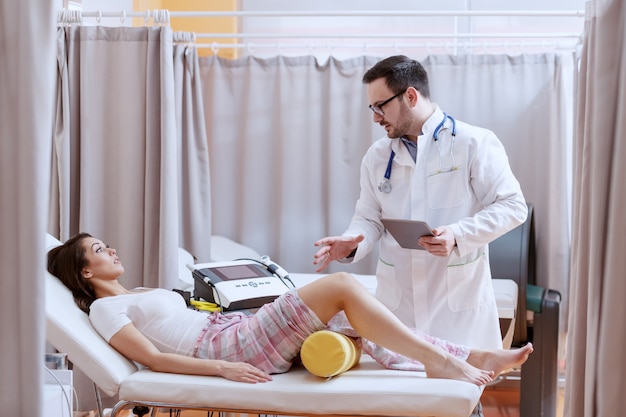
385, 186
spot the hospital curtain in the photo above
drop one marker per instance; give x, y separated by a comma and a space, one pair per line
595, 369
287, 136
115, 146
130, 158
194, 177
26, 108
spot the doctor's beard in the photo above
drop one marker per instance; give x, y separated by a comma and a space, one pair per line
402, 127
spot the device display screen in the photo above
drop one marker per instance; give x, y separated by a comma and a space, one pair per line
238, 272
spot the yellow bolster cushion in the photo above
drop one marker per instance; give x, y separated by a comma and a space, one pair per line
325, 353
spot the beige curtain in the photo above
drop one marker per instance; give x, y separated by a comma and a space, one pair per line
116, 147
595, 368
194, 177
26, 108
130, 160
287, 136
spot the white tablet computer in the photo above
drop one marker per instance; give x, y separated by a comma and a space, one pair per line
406, 232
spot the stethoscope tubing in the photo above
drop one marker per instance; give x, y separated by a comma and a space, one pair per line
385, 184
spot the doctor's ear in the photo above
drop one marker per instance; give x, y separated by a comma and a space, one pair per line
413, 96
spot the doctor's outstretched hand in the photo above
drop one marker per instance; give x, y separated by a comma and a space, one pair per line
334, 248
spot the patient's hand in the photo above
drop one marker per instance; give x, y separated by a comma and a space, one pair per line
242, 372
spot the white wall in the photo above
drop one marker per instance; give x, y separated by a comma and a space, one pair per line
322, 46
383, 25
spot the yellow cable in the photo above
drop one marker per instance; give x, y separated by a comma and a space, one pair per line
205, 305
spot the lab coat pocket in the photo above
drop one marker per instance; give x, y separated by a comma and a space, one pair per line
445, 189
387, 290
466, 284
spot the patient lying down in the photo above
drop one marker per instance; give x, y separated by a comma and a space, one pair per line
155, 328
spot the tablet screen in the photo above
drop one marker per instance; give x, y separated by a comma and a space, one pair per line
407, 232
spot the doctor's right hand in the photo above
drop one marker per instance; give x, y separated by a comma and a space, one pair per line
334, 248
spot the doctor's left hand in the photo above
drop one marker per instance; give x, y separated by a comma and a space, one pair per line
441, 243
334, 248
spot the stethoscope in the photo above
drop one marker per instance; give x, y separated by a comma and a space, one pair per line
385, 185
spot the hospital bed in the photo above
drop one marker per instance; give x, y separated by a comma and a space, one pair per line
365, 390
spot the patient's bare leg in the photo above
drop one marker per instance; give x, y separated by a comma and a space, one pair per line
372, 320
501, 360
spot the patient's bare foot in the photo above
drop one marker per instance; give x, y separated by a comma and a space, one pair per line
454, 368
501, 360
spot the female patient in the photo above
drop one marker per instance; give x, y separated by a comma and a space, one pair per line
155, 328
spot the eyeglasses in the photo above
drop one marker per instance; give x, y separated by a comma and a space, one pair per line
378, 109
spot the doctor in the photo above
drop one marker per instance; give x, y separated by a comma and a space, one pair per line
452, 175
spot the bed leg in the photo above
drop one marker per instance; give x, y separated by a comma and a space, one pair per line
140, 410
98, 400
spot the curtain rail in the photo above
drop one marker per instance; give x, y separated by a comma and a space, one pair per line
386, 36
382, 13
462, 40
375, 13
484, 45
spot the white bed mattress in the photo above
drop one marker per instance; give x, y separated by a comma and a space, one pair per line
366, 389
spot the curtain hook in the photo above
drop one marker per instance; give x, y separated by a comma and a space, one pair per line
99, 17
214, 48
146, 19
76, 17
123, 18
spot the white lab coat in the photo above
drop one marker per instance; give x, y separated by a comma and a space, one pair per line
451, 298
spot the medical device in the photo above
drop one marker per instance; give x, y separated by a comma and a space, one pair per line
385, 185
240, 284
407, 232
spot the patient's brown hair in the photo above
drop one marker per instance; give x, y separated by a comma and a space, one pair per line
66, 262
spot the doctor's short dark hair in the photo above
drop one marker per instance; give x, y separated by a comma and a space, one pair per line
400, 72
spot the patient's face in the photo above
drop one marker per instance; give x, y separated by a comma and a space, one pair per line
102, 261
